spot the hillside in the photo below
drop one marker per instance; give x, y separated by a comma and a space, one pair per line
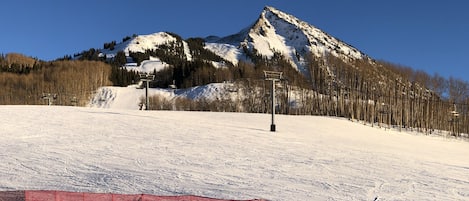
28, 81
224, 155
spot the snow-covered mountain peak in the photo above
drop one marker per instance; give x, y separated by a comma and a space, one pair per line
280, 14
299, 35
278, 33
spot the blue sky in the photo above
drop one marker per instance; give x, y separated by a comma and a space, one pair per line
425, 35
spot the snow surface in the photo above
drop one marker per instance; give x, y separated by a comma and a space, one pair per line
228, 52
224, 155
125, 97
130, 97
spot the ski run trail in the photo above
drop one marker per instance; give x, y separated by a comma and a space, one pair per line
224, 155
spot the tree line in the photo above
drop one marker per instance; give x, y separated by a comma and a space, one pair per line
68, 82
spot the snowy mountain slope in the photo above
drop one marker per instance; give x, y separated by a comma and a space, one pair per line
227, 51
224, 155
299, 32
279, 32
211, 92
130, 97
140, 43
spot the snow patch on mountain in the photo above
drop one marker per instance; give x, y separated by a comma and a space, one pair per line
227, 51
187, 51
211, 92
141, 43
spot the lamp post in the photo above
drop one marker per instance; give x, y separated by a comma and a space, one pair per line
147, 78
273, 76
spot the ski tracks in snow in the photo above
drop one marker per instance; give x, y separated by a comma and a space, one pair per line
223, 155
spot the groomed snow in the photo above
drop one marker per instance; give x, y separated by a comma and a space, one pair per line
224, 155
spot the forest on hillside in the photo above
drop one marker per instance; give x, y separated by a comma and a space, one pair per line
379, 93
28, 81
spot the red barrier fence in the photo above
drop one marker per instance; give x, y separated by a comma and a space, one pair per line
74, 196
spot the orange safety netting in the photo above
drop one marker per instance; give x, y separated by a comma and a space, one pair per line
75, 196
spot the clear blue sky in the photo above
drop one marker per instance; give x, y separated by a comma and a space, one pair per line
428, 35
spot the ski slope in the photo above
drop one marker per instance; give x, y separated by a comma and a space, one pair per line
130, 97
224, 155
